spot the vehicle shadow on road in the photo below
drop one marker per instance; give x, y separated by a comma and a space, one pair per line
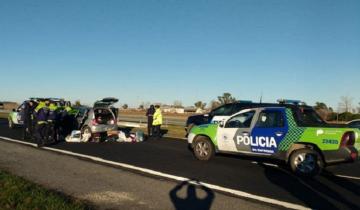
343, 182
311, 191
191, 200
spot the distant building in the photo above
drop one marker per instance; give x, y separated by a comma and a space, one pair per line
8, 105
172, 109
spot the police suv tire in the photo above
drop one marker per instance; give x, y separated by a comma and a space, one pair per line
203, 148
306, 162
11, 124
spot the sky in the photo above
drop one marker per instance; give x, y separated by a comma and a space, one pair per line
167, 50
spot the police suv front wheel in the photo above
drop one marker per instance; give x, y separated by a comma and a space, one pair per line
203, 148
306, 162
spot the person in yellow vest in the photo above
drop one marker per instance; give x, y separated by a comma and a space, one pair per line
157, 122
42, 114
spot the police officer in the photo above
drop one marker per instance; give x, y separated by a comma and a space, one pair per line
28, 120
52, 123
67, 119
158, 119
61, 112
42, 114
150, 118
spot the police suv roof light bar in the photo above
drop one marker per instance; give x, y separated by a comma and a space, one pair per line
287, 101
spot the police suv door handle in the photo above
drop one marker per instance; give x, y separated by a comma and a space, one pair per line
245, 133
279, 133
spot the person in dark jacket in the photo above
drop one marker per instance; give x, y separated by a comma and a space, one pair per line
42, 114
52, 122
150, 117
28, 120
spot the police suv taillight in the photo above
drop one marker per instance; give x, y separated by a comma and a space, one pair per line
348, 139
94, 122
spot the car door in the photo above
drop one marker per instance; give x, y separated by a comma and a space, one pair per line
270, 129
230, 132
17, 116
21, 114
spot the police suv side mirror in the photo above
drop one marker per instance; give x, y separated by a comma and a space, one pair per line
222, 123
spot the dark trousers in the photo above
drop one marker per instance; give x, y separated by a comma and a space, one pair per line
150, 127
41, 132
28, 130
51, 131
157, 131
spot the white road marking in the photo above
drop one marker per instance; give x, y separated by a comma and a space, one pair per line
173, 177
348, 177
267, 164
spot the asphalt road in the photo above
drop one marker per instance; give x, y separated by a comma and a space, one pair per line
252, 175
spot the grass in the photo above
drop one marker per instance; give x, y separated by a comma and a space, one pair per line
171, 130
17, 193
4, 115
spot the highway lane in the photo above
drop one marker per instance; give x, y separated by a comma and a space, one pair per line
234, 172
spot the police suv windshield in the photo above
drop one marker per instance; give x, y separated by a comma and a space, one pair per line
308, 117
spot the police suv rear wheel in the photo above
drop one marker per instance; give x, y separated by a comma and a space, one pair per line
306, 162
203, 148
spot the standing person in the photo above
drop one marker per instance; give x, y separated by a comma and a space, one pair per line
52, 122
42, 113
150, 118
60, 121
157, 121
28, 120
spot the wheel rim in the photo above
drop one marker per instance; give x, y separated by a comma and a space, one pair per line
305, 162
202, 149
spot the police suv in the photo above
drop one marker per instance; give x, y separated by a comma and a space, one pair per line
289, 131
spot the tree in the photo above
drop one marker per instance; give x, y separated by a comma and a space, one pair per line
141, 107
214, 104
345, 104
323, 110
226, 98
200, 105
77, 103
178, 104
125, 106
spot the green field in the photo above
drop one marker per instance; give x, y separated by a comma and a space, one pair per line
4, 115
17, 193
169, 130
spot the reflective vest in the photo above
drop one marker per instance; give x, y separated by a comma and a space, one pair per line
53, 112
39, 106
158, 119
